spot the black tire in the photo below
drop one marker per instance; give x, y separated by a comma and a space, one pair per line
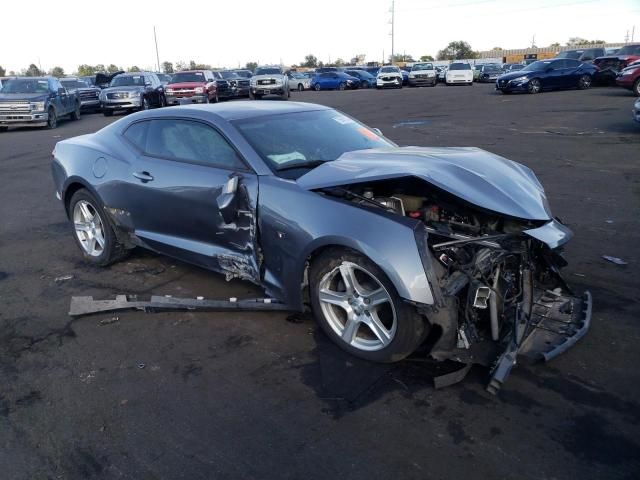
317, 88
113, 251
534, 86
636, 87
144, 103
4, 129
300, 87
75, 115
52, 121
584, 82
252, 96
107, 113
163, 101
342, 86
411, 328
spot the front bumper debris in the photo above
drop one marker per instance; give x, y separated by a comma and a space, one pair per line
556, 323
87, 305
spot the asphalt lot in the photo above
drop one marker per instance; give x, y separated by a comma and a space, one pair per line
253, 396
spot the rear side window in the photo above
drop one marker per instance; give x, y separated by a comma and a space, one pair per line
192, 142
137, 134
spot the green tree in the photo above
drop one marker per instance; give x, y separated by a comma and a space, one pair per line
399, 57
33, 71
310, 61
113, 68
457, 51
57, 72
339, 62
134, 68
167, 67
251, 66
573, 41
555, 45
497, 48
426, 58
85, 70
180, 66
2, 71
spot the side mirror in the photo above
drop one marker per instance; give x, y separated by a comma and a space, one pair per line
378, 131
147, 84
62, 91
227, 199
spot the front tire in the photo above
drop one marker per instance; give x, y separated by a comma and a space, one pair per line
93, 231
359, 308
584, 82
107, 113
75, 115
300, 87
317, 88
534, 86
144, 103
52, 121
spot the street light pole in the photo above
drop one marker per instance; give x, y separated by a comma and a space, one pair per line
156, 40
393, 28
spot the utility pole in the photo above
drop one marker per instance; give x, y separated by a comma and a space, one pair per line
156, 40
633, 31
533, 41
393, 28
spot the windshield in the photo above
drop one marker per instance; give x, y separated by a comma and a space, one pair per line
243, 73
537, 66
422, 66
574, 54
293, 139
128, 81
229, 74
163, 77
70, 84
389, 70
491, 68
20, 85
629, 50
89, 80
268, 71
188, 77
460, 66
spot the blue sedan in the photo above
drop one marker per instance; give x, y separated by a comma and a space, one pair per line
366, 79
334, 81
548, 75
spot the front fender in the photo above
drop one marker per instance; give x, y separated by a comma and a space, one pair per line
294, 223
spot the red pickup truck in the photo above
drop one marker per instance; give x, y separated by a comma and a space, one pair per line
193, 86
610, 66
629, 78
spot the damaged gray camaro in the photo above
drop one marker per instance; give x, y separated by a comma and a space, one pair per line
390, 247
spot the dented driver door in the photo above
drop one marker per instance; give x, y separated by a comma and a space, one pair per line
192, 197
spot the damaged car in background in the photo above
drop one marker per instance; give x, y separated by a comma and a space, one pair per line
390, 247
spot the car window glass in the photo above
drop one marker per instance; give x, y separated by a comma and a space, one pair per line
571, 64
136, 134
190, 141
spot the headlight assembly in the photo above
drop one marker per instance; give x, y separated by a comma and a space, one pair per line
519, 79
37, 106
199, 90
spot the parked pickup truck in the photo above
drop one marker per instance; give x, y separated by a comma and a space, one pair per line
36, 101
89, 95
196, 86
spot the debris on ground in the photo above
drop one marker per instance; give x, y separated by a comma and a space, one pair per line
63, 278
141, 366
108, 321
616, 260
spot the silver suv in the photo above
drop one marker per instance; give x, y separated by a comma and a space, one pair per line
269, 81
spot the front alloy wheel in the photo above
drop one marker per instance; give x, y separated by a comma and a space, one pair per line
52, 121
317, 87
358, 307
534, 86
584, 82
144, 103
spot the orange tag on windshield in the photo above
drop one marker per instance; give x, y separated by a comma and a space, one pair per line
365, 132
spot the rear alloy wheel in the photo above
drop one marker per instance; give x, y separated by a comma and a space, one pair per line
317, 87
75, 115
359, 309
584, 82
93, 231
534, 86
52, 121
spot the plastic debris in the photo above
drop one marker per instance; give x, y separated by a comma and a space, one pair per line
616, 260
141, 366
107, 321
63, 278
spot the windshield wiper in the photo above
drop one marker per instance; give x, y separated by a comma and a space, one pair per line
309, 164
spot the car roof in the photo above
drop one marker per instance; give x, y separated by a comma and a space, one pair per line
239, 110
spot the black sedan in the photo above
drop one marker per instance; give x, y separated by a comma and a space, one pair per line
548, 75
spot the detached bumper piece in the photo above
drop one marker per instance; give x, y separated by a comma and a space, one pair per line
87, 305
557, 322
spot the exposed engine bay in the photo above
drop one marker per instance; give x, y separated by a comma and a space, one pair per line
499, 293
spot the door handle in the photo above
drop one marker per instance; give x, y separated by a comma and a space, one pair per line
143, 176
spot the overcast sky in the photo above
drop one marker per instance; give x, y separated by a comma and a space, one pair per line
232, 33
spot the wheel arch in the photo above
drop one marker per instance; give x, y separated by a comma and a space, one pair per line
74, 184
